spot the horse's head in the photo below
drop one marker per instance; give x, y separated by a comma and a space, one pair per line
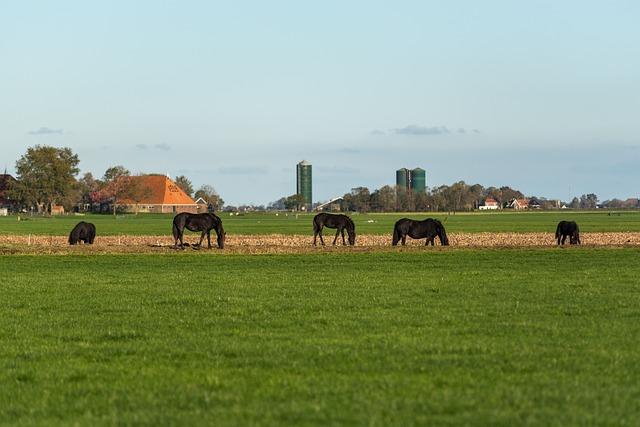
351, 231
222, 235
442, 234
444, 240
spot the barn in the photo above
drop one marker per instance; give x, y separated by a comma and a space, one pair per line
157, 194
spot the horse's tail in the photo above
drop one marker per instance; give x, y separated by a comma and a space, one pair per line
176, 230
317, 226
396, 234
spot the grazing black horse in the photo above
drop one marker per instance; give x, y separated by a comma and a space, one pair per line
429, 228
339, 221
568, 228
83, 232
204, 222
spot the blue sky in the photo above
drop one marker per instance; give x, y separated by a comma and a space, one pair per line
541, 96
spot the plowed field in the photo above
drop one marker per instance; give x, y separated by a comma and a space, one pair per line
298, 243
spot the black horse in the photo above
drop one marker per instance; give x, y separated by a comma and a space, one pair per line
568, 228
429, 228
339, 221
83, 232
204, 222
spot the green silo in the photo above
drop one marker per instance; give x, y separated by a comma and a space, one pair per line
415, 179
402, 178
304, 182
418, 179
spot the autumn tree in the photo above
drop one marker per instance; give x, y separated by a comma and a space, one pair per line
46, 176
88, 185
116, 183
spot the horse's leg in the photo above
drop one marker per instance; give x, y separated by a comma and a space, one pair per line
320, 235
404, 239
315, 233
336, 238
564, 237
180, 237
343, 242
209, 237
204, 232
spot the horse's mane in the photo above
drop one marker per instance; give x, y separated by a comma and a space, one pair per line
351, 222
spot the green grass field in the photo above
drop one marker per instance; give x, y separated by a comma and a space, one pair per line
482, 337
400, 336
376, 224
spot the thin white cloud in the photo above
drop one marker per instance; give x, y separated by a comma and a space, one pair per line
46, 131
164, 147
421, 130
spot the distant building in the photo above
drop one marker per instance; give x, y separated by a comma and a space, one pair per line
414, 179
489, 204
333, 205
158, 194
304, 184
519, 204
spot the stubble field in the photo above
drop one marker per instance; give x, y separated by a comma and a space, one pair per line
289, 233
281, 243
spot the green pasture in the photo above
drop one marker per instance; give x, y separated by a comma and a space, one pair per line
403, 337
291, 223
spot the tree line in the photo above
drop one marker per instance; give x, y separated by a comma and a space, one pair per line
457, 197
46, 177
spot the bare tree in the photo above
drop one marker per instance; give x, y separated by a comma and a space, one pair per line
209, 195
137, 190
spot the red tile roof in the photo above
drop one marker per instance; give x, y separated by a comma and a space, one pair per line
162, 191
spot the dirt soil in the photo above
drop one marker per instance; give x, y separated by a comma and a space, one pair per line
277, 243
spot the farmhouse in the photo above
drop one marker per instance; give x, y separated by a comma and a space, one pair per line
332, 205
519, 204
157, 194
490, 203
